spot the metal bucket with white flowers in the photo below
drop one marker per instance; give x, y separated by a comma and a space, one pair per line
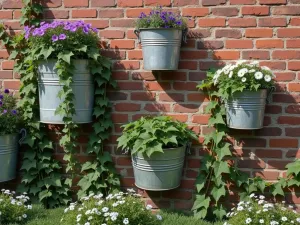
246, 110
244, 89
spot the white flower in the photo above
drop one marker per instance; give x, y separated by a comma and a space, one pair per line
66, 210
284, 218
87, 223
261, 221
252, 71
298, 220
126, 221
29, 207
230, 74
258, 75
274, 222
248, 220
254, 63
252, 195
90, 218
240, 208
244, 79
266, 68
130, 190
240, 62
159, 217
258, 212
260, 202
149, 207
24, 216
268, 78
242, 72
78, 217
105, 209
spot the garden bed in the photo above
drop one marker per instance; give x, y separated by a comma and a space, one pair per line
41, 216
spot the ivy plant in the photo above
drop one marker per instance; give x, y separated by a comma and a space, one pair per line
149, 135
68, 41
218, 175
42, 175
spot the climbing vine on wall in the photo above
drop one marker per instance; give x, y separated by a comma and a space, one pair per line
219, 174
42, 175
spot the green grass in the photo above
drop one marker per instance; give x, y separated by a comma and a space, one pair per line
41, 216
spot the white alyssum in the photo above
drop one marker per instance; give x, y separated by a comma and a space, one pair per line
268, 78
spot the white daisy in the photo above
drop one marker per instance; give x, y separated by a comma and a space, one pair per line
230, 74
268, 78
284, 218
159, 217
261, 221
248, 220
242, 72
258, 75
244, 79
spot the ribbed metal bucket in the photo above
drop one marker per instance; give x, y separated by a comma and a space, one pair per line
162, 171
245, 110
161, 48
82, 86
8, 157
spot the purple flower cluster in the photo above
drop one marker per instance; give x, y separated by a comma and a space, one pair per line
162, 18
68, 26
13, 112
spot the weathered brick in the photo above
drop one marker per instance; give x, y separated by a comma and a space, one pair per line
157, 2
270, 43
228, 33
256, 54
106, 3
225, 11
130, 3
272, 2
84, 13
242, 22
239, 44
211, 22
272, 22
286, 10
111, 13
256, 10
288, 32
195, 12
258, 32
242, 2
77, 3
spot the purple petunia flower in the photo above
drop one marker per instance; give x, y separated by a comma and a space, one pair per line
42, 23
95, 30
143, 15
179, 23
62, 37
73, 29
14, 112
67, 27
4, 111
1, 96
54, 38
6, 91
85, 29
1, 103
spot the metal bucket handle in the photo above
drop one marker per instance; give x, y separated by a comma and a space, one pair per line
137, 33
184, 35
188, 148
23, 132
269, 95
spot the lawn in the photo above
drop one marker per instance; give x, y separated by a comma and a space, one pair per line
40, 216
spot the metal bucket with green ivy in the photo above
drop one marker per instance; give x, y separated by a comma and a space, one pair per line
49, 87
161, 171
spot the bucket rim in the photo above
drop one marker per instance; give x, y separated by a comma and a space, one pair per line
145, 29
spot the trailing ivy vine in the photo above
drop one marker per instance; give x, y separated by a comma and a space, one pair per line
218, 174
42, 175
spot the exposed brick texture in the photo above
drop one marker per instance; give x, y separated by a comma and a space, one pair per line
220, 31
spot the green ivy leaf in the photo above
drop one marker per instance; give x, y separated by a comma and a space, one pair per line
218, 192
293, 168
220, 167
219, 212
66, 56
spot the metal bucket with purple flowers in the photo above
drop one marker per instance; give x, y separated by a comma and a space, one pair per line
161, 34
10, 120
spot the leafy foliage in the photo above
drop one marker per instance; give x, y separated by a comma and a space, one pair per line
153, 134
158, 18
10, 117
42, 177
257, 211
13, 209
120, 208
217, 175
240, 77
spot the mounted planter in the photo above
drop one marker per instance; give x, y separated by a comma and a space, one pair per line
161, 171
246, 110
161, 48
9, 146
161, 33
8, 157
157, 147
49, 87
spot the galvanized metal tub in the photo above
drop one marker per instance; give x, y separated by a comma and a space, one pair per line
162, 171
49, 86
8, 157
245, 110
161, 48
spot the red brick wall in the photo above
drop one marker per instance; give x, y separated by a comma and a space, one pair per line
220, 31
